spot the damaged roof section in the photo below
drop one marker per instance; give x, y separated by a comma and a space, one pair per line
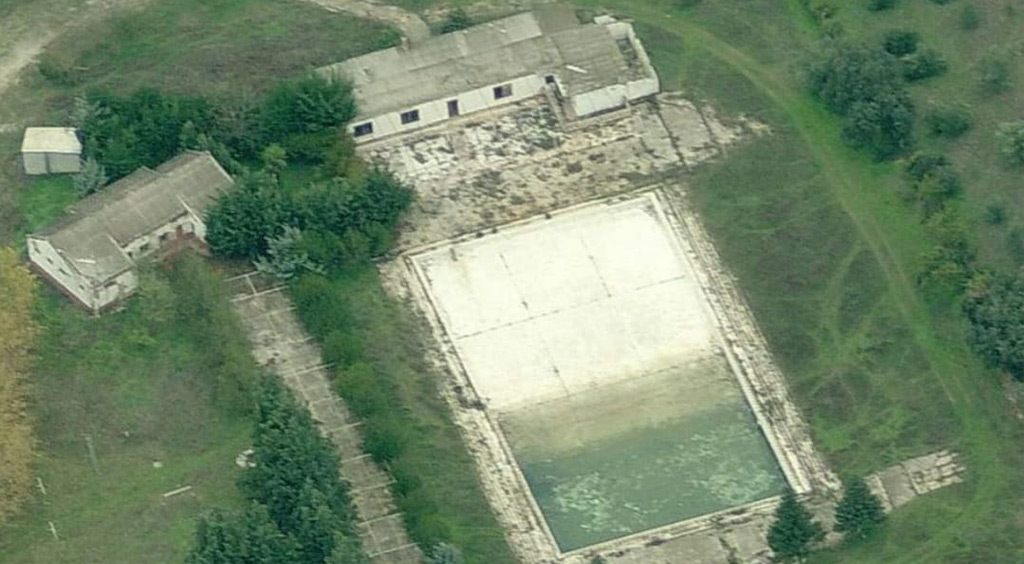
94, 231
547, 41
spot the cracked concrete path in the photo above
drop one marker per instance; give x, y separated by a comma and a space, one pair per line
280, 344
412, 26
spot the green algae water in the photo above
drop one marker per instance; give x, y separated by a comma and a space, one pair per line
642, 455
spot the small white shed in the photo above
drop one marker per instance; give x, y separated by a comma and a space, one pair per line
51, 150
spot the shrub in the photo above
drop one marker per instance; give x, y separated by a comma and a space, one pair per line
859, 511
1015, 243
947, 121
241, 538
969, 19
1010, 138
456, 20
900, 42
286, 258
924, 65
880, 5
996, 213
91, 178
864, 84
994, 74
244, 219
881, 125
794, 530
298, 113
921, 165
995, 309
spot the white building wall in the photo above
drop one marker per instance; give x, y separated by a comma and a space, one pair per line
63, 163
42, 254
606, 98
189, 224
121, 287
436, 111
50, 163
34, 163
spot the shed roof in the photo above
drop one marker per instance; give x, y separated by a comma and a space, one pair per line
92, 233
51, 140
549, 40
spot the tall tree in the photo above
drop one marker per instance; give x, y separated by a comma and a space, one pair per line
290, 456
794, 530
859, 511
248, 537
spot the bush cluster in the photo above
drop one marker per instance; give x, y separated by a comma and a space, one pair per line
342, 220
364, 375
299, 509
148, 127
864, 85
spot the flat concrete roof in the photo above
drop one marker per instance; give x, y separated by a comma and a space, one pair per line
548, 40
51, 140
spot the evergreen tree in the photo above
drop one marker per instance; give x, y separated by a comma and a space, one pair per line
248, 537
291, 456
859, 511
794, 530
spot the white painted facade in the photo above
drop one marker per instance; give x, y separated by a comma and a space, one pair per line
71, 281
436, 111
50, 163
98, 295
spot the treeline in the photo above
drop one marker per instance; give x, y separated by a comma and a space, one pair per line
17, 332
301, 116
298, 508
340, 220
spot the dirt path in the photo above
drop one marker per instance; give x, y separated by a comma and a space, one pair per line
27, 30
412, 26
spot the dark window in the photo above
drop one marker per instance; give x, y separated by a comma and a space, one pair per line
453, 108
503, 91
411, 116
549, 79
363, 129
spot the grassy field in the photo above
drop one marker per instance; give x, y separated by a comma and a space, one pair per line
998, 34
827, 252
132, 384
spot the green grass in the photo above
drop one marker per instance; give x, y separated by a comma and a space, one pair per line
975, 154
134, 383
45, 199
827, 252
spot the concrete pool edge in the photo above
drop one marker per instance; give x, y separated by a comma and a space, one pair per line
760, 381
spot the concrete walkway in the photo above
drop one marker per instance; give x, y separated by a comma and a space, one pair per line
412, 26
280, 344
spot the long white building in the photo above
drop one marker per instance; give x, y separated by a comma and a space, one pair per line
589, 67
90, 253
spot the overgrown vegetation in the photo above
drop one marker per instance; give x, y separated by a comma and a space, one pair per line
17, 333
140, 390
299, 511
378, 360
